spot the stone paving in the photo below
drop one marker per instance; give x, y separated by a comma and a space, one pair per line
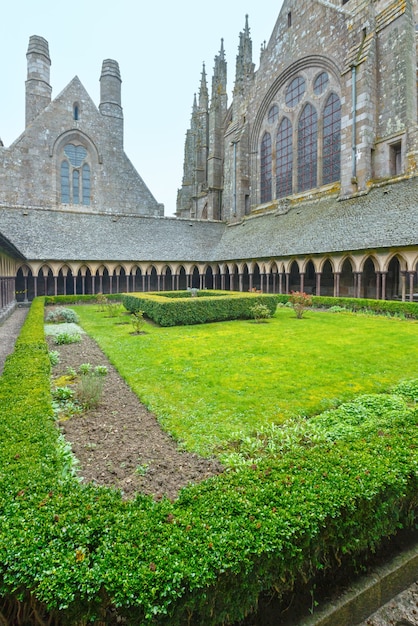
9, 332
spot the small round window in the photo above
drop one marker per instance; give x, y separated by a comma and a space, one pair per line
295, 91
273, 114
321, 83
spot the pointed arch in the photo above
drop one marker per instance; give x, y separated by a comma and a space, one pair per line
310, 277
24, 285
327, 278
369, 277
347, 278
294, 277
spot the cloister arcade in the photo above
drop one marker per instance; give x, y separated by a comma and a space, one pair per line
381, 275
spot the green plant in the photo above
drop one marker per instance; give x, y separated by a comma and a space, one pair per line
101, 301
89, 387
300, 301
113, 309
260, 312
61, 315
54, 357
100, 370
137, 321
142, 469
62, 394
67, 338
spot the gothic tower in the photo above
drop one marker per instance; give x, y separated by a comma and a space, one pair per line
217, 114
200, 195
110, 99
38, 89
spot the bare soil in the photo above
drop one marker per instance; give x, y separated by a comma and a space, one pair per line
120, 443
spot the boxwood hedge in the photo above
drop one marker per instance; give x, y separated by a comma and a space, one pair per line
77, 553
178, 308
381, 307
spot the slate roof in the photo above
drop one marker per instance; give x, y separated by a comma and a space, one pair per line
386, 217
70, 236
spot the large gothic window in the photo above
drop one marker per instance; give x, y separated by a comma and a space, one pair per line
75, 175
284, 159
307, 148
266, 171
331, 150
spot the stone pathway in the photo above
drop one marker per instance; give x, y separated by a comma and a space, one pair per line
9, 332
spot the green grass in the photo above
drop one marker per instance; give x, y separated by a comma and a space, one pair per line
206, 383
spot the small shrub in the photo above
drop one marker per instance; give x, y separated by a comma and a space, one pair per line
337, 309
101, 301
260, 312
90, 386
66, 338
137, 320
113, 309
54, 357
300, 301
61, 316
85, 368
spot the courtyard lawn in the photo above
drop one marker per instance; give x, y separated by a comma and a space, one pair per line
206, 383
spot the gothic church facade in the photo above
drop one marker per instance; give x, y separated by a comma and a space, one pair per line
307, 180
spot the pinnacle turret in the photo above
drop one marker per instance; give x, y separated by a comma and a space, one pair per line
244, 64
203, 91
219, 78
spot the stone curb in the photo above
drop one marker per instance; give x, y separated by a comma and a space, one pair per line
370, 593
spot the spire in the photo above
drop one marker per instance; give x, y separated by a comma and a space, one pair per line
203, 91
219, 78
244, 64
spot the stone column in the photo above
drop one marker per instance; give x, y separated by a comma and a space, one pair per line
337, 284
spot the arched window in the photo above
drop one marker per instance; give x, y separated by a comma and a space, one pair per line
75, 175
307, 148
284, 159
266, 156
331, 150
320, 83
65, 182
273, 114
295, 91
86, 183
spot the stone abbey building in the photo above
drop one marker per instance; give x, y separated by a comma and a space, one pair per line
307, 180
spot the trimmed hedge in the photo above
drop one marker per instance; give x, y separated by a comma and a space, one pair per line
78, 552
381, 307
173, 310
79, 299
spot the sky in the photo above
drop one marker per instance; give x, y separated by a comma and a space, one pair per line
160, 48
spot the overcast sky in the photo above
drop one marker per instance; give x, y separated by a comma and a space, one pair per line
160, 48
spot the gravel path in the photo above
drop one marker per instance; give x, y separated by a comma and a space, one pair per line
9, 332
